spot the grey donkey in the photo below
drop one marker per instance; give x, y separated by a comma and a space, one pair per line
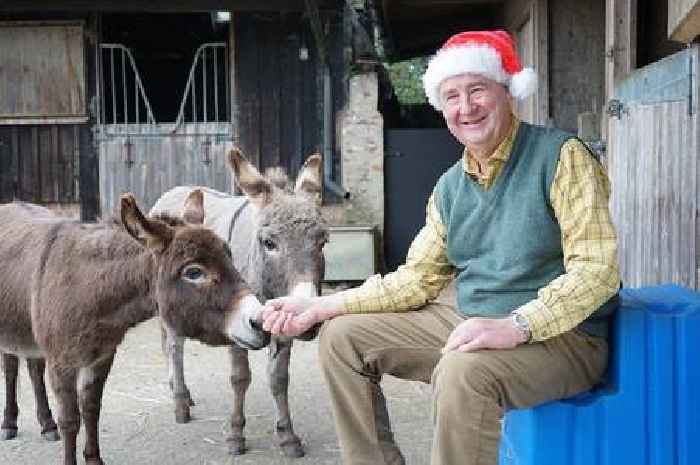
276, 234
76, 288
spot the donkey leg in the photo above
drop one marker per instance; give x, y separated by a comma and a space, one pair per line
240, 381
10, 365
63, 382
278, 371
49, 430
173, 347
91, 382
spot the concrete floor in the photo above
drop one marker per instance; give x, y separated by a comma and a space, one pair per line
138, 425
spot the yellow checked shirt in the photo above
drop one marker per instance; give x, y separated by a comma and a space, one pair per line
579, 197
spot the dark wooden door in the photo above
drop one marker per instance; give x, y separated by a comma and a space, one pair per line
414, 160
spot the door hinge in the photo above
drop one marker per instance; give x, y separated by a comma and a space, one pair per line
691, 85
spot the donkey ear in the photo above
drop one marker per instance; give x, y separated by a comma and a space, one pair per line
154, 234
251, 182
193, 212
309, 178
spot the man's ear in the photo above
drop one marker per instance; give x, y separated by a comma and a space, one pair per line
249, 179
152, 233
193, 211
309, 178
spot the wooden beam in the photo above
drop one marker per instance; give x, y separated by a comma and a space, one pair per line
683, 20
162, 6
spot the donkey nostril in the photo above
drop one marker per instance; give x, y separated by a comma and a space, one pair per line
256, 325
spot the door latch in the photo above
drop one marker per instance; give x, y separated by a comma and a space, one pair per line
615, 108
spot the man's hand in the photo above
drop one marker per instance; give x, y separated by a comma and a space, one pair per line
484, 333
289, 316
292, 316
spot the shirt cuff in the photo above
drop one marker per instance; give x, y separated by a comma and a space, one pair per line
534, 313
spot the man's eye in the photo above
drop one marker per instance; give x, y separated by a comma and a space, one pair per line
193, 273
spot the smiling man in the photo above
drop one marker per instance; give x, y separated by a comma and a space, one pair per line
521, 225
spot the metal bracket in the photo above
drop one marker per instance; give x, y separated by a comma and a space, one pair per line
206, 151
126, 153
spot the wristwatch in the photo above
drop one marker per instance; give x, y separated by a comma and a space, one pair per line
522, 325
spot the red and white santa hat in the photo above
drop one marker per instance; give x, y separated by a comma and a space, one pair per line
489, 53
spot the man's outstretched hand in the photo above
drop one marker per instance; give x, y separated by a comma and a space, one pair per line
292, 316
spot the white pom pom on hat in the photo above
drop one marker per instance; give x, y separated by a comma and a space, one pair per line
489, 53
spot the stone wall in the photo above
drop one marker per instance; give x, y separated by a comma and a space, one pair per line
360, 137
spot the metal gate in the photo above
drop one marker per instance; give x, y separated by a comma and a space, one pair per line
141, 155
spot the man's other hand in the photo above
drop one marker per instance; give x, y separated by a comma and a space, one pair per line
484, 333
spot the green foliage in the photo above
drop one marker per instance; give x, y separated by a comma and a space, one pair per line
406, 78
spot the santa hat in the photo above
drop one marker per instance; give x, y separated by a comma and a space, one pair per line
489, 53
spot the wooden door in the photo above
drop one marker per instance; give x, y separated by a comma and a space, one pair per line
653, 166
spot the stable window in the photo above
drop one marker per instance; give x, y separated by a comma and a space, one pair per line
42, 77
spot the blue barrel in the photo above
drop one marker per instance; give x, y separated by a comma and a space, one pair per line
647, 410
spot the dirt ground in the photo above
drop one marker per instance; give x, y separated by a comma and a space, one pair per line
138, 425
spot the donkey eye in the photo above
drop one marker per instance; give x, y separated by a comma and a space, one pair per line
269, 245
193, 273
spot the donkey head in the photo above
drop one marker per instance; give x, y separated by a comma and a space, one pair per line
198, 291
290, 231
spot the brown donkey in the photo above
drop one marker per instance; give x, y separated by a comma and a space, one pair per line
76, 288
35, 368
276, 233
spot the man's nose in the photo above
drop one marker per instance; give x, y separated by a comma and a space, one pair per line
465, 104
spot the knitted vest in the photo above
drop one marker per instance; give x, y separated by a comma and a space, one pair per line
505, 241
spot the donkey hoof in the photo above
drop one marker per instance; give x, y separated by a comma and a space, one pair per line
293, 450
182, 415
94, 461
8, 433
236, 446
51, 435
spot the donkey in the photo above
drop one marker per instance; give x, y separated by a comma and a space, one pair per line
276, 236
76, 288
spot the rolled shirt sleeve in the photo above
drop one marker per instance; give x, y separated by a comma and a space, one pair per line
425, 273
579, 197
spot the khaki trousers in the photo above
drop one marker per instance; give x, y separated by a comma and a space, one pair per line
471, 391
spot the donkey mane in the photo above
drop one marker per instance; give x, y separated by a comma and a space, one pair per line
278, 177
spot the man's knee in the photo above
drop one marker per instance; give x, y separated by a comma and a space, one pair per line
337, 336
464, 374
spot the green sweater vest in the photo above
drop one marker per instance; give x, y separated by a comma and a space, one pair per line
505, 241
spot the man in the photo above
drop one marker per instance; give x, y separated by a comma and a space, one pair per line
522, 226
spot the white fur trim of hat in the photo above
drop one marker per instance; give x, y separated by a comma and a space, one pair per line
499, 62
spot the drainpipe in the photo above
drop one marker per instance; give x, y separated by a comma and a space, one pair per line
328, 136
319, 38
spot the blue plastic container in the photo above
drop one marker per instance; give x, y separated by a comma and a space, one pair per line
648, 410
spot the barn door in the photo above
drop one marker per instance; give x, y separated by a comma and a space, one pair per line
145, 156
46, 154
653, 166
